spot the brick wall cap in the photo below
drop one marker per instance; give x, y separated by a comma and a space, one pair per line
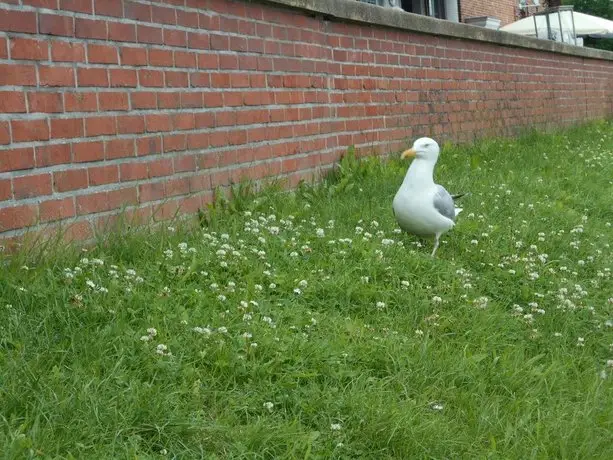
350, 10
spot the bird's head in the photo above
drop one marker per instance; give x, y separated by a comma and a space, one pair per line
423, 148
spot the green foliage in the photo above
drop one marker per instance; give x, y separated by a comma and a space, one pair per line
302, 325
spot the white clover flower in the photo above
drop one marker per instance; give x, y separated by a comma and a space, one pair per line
253, 345
436, 299
387, 242
580, 342
380, 305
419, 332
202, 330
437, 406
364, 279
91, 284
297, 291
222, 330
404, 284
247, 335
303, 284
557, 334
293, 254
161, 349
320, 233
269, 406
145, 338
336, 427
168, 253
272, 286
221, 298
475, 242
359, 230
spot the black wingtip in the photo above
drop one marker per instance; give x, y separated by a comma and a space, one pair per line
459, 195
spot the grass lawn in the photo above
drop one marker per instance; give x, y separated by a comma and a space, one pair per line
304, 325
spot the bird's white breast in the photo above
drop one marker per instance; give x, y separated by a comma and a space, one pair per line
416, 214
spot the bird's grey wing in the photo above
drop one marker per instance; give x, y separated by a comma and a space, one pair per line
443, 202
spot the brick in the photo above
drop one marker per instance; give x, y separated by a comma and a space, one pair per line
159, 168
219, 42
3, 48
5, 190
148, 145
101, 175
148, 192
161, 15
175, 187
31, 186
99, 126
113, 101
213, 99
89, 204
123, 197
191, 100
204, 120
119, 148
146, 34
5, 134
143, 100
183, 121
81, 102
88, 151
12, 102
133, 171
174, 142
198, 40
137, 11
50, 154
19, 75
102, 54
120, 32
54, 210
72, 179
197, 141
78, 6
208, 61
133, 56
49, 4
151, 78
92, 77
200, 80
67, 52
45, 102
175, 38
108, 8
56, 76
17, 217
29, 49
185, 59
30, 130
158, 122
169, 100
187, 19
90, 28
66, 128
131, 124
184, 163
18, 21
124, 78
51, 24
16, 159
159, 57
176, 79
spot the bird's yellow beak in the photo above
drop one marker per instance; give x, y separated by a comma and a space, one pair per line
408, 153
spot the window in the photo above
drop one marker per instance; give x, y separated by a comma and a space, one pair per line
434, 8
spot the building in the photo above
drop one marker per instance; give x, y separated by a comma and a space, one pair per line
471, 11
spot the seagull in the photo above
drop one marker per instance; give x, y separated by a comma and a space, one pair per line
420, 206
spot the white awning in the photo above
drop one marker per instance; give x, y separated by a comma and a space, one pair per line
585, 24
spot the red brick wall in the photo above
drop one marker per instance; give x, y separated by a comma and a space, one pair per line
105, 104
505, 10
